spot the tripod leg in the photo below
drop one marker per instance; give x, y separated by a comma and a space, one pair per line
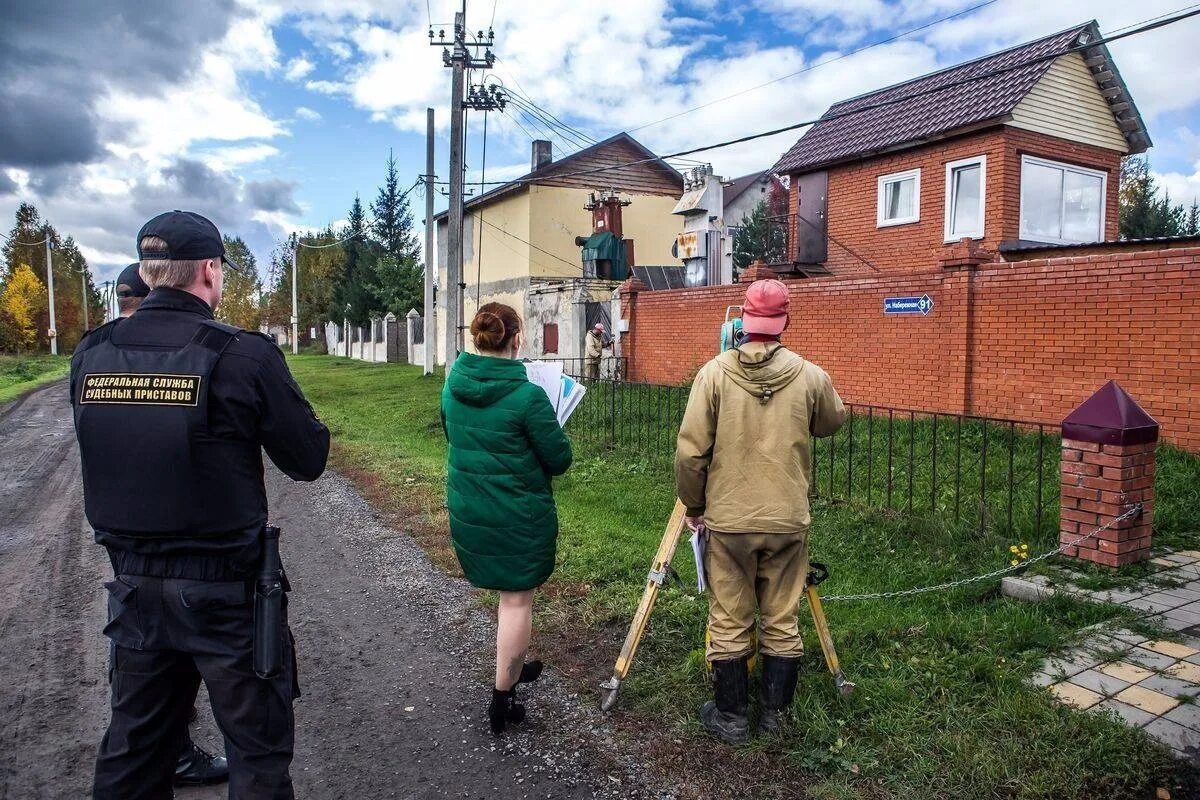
659, 570
844, 687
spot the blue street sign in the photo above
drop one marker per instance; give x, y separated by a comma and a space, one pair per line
908, 305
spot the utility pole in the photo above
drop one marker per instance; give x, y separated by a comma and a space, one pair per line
50, 288
83, 282
430, 321
461, 55
295, 313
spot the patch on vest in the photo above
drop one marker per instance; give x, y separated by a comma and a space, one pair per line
140, 389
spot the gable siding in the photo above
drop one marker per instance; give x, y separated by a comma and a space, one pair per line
611, 168
1067, 103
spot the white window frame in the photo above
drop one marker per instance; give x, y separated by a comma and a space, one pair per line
977, 232
883, 180
1045, 162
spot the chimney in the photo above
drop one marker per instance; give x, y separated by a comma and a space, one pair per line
542, 154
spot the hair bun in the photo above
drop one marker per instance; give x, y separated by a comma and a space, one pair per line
494, 327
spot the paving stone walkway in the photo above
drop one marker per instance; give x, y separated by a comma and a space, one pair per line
1150, 684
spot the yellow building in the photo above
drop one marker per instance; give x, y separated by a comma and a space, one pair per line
519, 240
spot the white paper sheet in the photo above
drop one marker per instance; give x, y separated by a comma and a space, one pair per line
698, 546
548, 375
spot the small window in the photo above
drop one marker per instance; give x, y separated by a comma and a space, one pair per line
1060, 203
550, 339
899, 198
965, 198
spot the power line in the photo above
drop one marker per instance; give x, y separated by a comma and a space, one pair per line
883, 103
531, 244
811, 67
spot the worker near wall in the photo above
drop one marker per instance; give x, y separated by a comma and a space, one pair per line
743, 468
594, 345
505, 446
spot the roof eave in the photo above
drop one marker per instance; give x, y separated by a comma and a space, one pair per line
1116, 94
909, 145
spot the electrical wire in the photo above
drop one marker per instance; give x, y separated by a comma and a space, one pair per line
882, 103
531, 244
24, 244
811, 67
479, 247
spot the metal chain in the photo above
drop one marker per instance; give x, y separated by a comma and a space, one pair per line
1133, 511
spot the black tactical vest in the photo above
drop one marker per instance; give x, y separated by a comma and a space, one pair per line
151, 467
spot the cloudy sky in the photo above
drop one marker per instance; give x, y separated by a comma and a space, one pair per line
269, 116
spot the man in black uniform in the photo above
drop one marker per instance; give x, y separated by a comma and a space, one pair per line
195, 766
181, 508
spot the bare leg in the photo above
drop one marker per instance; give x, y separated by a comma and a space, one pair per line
512, 636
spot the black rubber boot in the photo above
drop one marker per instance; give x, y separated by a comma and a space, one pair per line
198, 768
778, 687
504, 709
725, 715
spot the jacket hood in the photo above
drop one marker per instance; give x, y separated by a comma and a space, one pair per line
483, 380
761, 368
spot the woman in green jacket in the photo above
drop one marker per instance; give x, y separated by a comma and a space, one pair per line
505, 444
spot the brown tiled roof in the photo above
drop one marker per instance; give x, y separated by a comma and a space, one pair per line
861, 126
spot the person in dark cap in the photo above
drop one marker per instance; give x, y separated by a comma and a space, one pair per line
131, 289
181, 509
195, 765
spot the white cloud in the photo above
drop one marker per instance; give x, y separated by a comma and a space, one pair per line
305, 113
229, 158
298, 68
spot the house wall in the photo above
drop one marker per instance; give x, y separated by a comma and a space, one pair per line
1026, 340
1067, 103
856, 243
743, 204
557, 216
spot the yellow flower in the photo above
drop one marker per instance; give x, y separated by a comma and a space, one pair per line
1012, 548
1015, 562
1024, 547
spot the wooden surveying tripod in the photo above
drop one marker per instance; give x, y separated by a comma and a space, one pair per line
660, 570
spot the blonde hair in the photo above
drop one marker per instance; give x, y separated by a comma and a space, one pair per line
165, 272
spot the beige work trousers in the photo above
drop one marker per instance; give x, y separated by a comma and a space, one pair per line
749, 572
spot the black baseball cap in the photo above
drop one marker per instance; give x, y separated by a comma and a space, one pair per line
130, 283
189, 237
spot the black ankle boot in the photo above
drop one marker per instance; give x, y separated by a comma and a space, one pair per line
725, 715
530, 671
199, 768
778, 687
504, 709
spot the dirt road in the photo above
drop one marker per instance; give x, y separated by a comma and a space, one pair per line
393, 654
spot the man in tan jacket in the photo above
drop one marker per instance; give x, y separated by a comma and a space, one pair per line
743, 467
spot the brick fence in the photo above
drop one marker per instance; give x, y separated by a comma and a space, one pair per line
1021, 339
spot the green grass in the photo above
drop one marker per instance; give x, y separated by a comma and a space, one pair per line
19, 374
942, 709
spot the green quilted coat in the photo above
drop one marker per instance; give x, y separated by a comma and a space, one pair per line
505, 445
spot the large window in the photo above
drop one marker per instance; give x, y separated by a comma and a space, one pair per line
899, 198
964, 198
1061, 203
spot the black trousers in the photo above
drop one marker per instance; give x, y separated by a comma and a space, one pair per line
167, 635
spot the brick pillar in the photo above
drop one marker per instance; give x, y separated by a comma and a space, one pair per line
627, 293
757, 271
1108, 445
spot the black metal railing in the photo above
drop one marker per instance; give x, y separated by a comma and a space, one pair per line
639, 418
611, 368
992, 473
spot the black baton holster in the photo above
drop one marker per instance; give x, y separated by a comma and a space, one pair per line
268, 608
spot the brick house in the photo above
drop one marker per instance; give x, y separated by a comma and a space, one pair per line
1019, 147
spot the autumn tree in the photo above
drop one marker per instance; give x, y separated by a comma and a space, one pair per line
22, 301
240, 297
73, 286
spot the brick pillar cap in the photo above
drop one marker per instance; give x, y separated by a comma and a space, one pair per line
632, 285
757, 271
1110, 416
